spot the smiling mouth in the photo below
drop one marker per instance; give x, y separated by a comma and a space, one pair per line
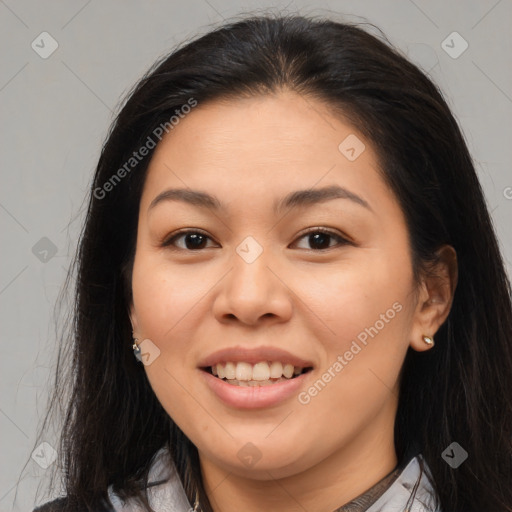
264, 373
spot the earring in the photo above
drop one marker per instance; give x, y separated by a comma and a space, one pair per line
429, 340
136, 350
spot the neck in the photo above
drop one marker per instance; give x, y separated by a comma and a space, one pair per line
336, 480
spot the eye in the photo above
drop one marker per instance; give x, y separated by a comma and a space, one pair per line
321, 238
193, 240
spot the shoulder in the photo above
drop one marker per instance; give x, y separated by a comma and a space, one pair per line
53, 506
164, 490
63, 504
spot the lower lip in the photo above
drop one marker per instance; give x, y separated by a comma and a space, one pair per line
253, 397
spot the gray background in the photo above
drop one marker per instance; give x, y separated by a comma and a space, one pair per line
56, 112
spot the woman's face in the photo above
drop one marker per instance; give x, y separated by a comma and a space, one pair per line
297, 254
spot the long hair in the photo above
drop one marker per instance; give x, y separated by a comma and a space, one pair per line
460, 391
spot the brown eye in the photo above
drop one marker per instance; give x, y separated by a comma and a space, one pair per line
192, 240
321, 239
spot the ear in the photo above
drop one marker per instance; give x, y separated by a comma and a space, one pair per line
435, 297
133, 319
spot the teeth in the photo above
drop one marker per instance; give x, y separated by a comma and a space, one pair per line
255, 383
260, 371
288, 371
276, 370
230, 370
245, 373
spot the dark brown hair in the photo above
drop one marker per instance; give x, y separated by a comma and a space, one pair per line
459, 391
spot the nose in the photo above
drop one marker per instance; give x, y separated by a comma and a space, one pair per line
253, 293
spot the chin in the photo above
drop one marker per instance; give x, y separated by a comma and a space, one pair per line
261, 460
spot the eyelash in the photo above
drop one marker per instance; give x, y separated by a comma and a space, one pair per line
168, 242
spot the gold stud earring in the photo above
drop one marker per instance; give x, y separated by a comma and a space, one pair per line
429, 340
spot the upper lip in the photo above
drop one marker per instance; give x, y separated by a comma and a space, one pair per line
253, 356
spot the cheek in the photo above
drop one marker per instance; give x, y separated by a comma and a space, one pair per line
163, 297
165, 303
362, 310
365, 322
358, 379
367, 292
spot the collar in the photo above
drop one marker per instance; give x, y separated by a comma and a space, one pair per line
169, 495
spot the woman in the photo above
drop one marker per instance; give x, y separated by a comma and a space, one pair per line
286, 220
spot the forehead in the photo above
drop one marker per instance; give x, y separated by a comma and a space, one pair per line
267, 127
249, 148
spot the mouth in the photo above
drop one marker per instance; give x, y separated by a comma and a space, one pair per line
262, 373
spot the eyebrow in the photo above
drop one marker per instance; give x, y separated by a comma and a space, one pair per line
318, 195
194, 197
295, 199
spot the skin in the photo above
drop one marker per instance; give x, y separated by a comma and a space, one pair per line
312, 302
